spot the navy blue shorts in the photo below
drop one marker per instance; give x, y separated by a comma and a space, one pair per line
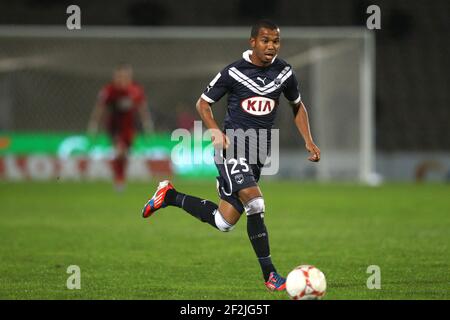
235, 175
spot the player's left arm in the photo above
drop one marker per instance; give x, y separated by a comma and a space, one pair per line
302, 122
292, 94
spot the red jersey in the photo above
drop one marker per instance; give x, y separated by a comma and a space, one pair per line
122, 104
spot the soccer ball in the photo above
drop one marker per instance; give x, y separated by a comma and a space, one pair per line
306, 283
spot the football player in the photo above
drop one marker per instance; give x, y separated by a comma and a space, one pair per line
254, 85
118, 105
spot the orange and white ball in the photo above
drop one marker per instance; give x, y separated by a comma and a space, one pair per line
306, 283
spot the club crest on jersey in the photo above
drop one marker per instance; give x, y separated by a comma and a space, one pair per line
239, 178
258, 106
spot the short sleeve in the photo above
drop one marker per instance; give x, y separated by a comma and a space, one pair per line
291, 91
217, 88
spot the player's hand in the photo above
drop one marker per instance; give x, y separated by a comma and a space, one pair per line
219, 139
314, 151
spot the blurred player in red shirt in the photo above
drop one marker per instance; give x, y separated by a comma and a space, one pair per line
119, 104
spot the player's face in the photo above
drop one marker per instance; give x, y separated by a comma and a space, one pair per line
122, 78
265, 46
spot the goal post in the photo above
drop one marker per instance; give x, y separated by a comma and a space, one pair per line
342, 102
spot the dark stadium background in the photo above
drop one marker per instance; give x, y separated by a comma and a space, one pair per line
412, 47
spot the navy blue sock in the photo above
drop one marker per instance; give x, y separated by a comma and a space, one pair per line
199, 208
257, 233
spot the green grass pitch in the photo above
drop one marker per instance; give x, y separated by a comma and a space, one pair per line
340, 228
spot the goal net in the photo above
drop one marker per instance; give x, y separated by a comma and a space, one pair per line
50, 77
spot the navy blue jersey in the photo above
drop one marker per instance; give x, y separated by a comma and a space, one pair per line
253, 99
253, 92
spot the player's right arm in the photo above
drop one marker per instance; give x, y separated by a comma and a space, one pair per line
216, 89
218, 138
98, 112
94, 120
